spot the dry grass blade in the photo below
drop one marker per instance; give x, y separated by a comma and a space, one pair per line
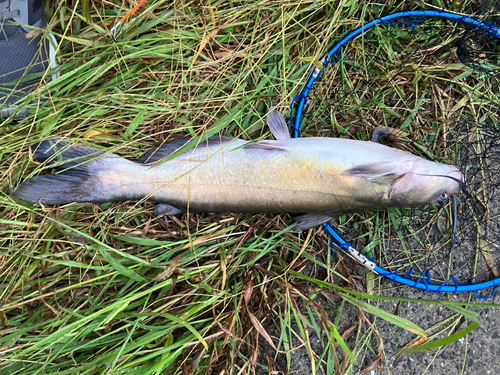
111, 288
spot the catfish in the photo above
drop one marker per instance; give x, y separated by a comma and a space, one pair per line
320, 178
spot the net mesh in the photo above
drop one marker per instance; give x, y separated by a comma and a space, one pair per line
435, 85
466, 246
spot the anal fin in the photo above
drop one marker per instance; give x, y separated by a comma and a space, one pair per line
311, 220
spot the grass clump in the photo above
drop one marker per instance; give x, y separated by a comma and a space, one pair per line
110, 288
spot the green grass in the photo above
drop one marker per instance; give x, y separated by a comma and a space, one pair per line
112, 289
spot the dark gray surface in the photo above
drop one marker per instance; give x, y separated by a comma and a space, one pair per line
23, 60
20, 56
478, 353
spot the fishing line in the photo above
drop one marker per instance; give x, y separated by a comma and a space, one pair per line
475, 224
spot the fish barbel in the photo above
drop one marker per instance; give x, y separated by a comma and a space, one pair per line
320, 177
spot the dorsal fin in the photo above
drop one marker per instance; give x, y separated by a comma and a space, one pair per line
278, 126
155, 154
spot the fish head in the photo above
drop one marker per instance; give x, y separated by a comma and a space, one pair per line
426, 183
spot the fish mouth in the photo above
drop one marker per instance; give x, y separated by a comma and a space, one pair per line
462, 184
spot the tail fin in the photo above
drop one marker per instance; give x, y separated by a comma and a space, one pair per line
63, 155
78, 180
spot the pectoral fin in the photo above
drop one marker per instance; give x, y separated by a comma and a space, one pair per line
380, 132
386, 171
163, 209
310, 220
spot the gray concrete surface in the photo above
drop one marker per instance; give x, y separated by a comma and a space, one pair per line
478, 353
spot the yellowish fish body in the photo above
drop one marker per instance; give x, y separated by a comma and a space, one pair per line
307, 177
322, 177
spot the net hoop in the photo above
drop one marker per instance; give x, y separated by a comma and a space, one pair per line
424, 281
